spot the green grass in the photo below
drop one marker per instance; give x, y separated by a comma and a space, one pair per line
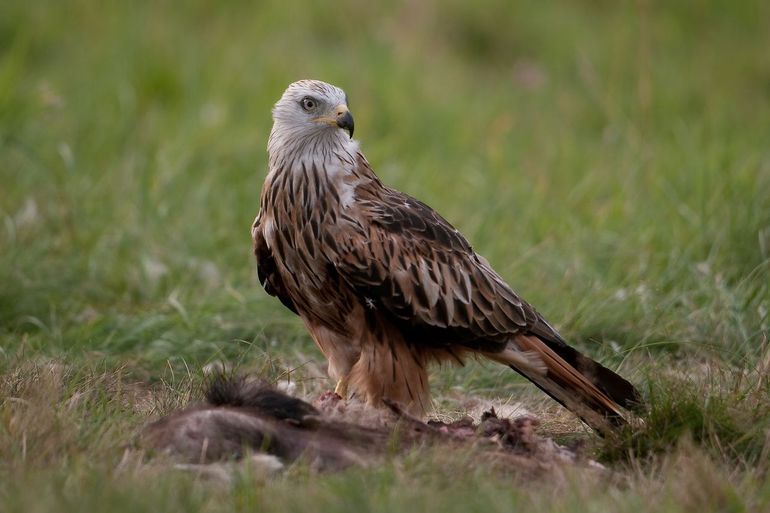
610, 159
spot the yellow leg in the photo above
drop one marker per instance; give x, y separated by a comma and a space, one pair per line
342, 388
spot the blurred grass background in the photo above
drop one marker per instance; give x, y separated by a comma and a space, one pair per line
611, 159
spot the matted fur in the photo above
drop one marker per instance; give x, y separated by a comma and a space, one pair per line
243, 417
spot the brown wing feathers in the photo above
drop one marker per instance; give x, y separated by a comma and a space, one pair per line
440, 292
267, 271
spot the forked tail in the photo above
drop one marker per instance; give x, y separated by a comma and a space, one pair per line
590, 390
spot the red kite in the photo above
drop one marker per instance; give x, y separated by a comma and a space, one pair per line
385, 285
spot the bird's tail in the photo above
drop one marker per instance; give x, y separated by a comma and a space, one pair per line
580, 384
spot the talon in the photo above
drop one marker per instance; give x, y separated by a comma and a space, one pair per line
342, 388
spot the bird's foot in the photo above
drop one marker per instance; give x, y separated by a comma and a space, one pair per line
342, 388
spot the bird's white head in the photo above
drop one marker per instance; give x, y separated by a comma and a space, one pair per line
310, 116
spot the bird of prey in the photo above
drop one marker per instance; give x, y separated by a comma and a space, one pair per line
385, 285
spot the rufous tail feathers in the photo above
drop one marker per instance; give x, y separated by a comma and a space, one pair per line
593, 396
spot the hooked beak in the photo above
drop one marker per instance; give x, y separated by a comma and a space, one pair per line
345, 119
342, 119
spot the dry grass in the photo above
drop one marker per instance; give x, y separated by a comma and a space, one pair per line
704, 446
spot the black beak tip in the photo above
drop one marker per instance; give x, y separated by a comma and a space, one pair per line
345, 121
